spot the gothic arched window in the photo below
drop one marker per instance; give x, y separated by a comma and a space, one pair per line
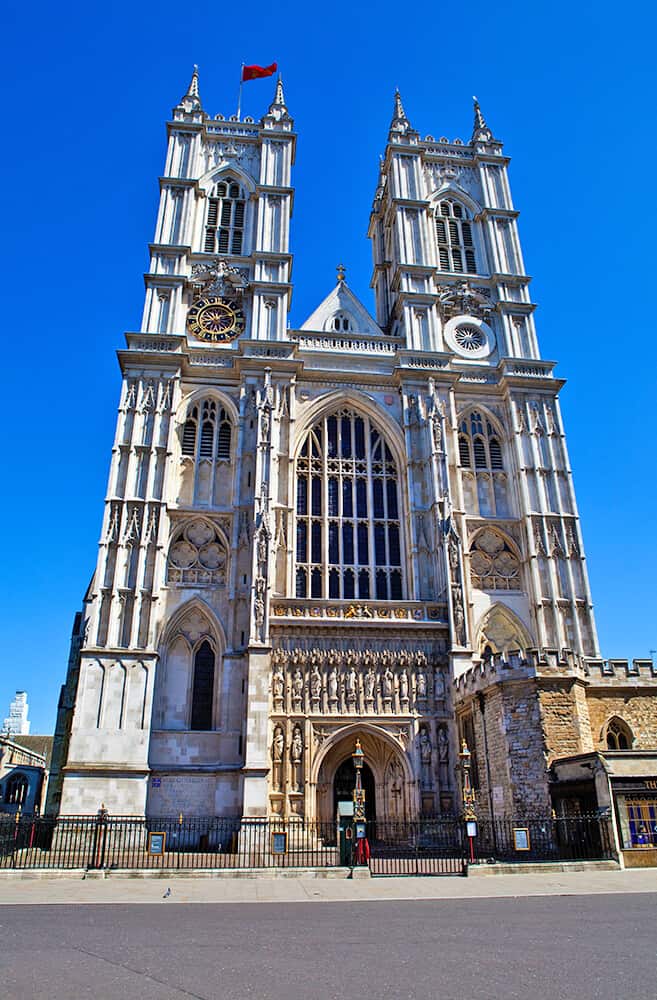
454, 236
203, 687
16, 790
224, 227
485, 483
619, 735
348, 531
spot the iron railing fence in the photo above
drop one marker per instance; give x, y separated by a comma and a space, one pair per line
113, 842
567, 838
428, 845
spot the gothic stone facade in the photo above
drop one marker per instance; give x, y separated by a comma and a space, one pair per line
319, 534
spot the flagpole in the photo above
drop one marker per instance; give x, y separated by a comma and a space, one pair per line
239, 94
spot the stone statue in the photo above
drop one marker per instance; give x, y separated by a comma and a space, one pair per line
370, 681
278, 685
403, 686
296, 748
278, 745
264, 423
262, 549
439, 685
453, 552
333, 685
388, 678
297, 686
443, 746
421, 685
351, 684
315, 683
425, 746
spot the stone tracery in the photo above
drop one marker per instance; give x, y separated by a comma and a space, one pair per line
197, 555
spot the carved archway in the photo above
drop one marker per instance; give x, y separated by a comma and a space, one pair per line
395, 787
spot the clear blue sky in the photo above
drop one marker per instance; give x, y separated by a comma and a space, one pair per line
86, 89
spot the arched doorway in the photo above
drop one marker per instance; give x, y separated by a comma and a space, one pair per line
387, 775
344, 783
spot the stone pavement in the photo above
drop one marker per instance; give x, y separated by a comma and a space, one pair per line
27, 889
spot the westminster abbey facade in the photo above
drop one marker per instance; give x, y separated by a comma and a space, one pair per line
361, 528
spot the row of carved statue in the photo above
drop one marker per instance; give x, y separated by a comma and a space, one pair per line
354, 681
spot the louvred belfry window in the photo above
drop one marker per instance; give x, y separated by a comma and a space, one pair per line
454, 236
485, 484
210, 440
348, 528
224, 228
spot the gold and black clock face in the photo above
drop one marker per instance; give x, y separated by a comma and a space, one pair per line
214, 319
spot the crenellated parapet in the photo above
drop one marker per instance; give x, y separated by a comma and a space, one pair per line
528, 664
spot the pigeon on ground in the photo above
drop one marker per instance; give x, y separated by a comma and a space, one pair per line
167, 893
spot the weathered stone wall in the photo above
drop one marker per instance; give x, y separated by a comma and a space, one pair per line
565, 720
516, 753
637, 709
526, 749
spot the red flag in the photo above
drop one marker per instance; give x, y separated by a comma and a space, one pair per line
255, 72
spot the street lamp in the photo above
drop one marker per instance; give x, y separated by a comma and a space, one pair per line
469, 800
358, 758
362, 846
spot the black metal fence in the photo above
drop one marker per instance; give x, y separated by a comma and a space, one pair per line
568, 838
120, 842
426, 846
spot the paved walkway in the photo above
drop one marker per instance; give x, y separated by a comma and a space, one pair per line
181, 889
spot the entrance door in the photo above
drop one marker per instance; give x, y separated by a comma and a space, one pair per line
345, 782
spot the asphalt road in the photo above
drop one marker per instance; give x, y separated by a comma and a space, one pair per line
582, 947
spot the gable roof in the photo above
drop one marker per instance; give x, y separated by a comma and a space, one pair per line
342, 300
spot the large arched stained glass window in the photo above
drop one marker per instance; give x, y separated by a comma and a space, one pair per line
348, 539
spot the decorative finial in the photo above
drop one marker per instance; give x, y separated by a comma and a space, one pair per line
278, 107
279, 96
192, 99
481, 131
400, 122
192, 90
341, 272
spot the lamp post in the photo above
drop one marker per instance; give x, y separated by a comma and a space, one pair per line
358, 758
362, 847
469, 799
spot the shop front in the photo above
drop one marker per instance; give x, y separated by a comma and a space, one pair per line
620, 782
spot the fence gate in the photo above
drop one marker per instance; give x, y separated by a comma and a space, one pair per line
420, 847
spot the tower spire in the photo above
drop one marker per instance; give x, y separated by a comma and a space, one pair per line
278, 107
192, 99
480, 131
400, 122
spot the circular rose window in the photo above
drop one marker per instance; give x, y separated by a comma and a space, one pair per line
469, 337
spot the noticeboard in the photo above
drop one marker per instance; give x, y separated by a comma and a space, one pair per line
279, 843
157, 843
521, 840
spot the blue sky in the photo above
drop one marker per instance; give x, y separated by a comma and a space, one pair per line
86, 89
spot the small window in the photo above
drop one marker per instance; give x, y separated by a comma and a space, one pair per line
16, 790
341, 323
619, 735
